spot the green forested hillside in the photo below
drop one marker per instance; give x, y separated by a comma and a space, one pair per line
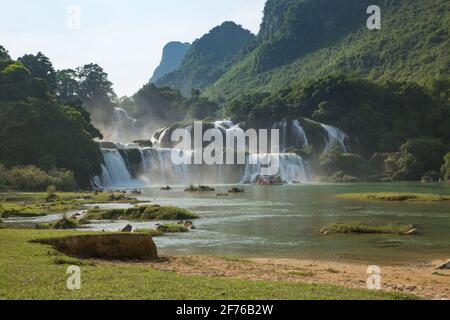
208, 58
308, 39
36, 129
165, 105
401, 129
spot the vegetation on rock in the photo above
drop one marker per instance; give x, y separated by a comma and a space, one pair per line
363, 228
193, 188
392, 196
149, 212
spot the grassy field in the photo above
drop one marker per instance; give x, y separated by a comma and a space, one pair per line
34, 271
28, 204
392, 196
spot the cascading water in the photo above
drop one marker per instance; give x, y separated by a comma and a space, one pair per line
155, 165
115, 171
283, 127
158, 167
300, 134
122, 125
335, 136
292, 168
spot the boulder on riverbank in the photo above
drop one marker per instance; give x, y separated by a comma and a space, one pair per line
107, 247
128, 228
236, 190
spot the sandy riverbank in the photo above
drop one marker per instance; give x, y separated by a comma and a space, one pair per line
421, 279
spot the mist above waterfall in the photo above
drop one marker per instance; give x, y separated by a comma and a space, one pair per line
129, 165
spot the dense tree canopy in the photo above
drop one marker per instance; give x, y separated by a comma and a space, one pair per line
90, 86
380, 116
37, 130
40, 67
167, 105
302, 40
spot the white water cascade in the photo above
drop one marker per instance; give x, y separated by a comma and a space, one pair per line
300, 134
134, 166
283, 127
122, 126
114, 171
292, 168
335, 135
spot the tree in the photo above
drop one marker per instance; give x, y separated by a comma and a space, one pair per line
4, 54
17, 83
59, 132
37, 130
445, 170
68, 85
94, 83
428, 152
40, 67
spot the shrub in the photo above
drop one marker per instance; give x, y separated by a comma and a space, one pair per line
172, 228
445, 170
31, 178
150, 212
150, 232
361, 228
51, 194
349, 164
65, 223
193, 188
427, 152
431, 176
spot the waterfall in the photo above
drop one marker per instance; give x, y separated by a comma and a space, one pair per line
115, 171
224, 124
159, 169
292, 168
129, 165
283, 127
159, 136
122, 125
300, 134
335, 135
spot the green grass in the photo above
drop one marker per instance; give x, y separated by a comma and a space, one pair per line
65, 223
149, 212
29, 271
393, 196
304, 274
152, 232
31, 204
172, 228
362, 228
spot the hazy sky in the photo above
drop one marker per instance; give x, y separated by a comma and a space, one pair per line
125, 37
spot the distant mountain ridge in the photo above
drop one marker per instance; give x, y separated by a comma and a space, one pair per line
208, 58
173, 54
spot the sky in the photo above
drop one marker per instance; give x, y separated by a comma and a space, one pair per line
125, 37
